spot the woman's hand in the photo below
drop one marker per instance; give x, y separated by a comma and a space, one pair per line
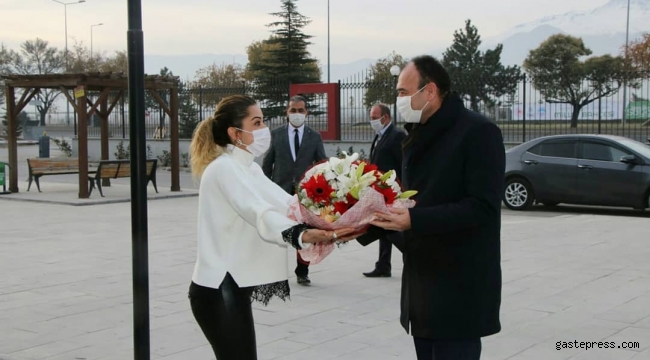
353, 236
315, 235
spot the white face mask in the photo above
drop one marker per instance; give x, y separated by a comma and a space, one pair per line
297, 119
261, 141
377, 125
404, 106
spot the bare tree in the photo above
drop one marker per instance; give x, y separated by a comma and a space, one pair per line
36, 57
5, 60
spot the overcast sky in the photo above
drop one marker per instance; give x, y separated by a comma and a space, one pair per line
359, 29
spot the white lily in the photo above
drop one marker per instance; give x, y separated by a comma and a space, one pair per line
354, 184
342, 166
392, 178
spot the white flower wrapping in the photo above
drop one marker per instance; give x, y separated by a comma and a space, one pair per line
343, 193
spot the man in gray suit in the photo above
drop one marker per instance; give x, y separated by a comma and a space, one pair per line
294, 148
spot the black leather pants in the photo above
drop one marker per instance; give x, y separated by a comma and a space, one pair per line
225, 316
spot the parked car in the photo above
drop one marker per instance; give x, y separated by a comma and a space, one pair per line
600, 170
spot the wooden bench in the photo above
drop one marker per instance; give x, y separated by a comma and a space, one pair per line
41, 167
113, 169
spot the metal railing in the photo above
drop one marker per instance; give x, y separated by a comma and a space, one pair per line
522, 111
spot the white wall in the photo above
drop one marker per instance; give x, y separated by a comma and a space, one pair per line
157, 147
95, 151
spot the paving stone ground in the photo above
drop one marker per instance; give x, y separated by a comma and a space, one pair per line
570, 274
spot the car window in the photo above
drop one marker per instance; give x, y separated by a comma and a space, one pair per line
639, 147
537, 149
560, 149
601, 152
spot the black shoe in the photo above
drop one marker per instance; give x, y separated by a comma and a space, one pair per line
303, 280
376, 273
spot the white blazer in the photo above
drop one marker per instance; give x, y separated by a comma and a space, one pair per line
242, 215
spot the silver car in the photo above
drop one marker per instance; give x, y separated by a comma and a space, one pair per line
597, 170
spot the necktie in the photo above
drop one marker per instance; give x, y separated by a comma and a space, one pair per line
296, 142
372, 147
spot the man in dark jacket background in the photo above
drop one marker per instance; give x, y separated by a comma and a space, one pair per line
386, 153
455, 159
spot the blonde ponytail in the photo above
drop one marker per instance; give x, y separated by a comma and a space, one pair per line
211, 135
203, 149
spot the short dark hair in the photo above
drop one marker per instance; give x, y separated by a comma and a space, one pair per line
383, 109
297, 98
431, 70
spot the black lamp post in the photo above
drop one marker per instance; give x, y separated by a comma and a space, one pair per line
395, 70
627, 36
139, 226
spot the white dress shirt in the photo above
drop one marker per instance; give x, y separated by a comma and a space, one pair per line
241, 217
383, 130
292, 134
381, 133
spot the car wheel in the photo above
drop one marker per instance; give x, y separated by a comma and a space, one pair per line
518, 194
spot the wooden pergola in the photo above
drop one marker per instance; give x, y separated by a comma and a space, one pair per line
80, 85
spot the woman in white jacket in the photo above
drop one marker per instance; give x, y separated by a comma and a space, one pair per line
243, 230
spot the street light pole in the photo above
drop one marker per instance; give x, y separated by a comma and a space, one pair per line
328, 41
139, 216
91, 38
627, 37
65, 11
395, 70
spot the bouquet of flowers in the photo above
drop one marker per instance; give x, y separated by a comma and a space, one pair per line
344, 193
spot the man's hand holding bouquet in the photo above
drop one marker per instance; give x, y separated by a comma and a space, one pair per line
344, 193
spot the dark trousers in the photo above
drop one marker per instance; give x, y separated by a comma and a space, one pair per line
302, 266
448, 349
225, 316
385, 250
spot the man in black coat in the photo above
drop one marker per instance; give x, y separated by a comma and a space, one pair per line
455, 159
386, 153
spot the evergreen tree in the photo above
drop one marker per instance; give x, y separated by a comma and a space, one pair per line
21, 121
290, 61
282, 59
478, 76
188, 118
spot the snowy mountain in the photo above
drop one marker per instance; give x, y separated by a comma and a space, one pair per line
608, 19
602, 29
186, 66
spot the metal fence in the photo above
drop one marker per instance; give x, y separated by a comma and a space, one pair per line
520, 109
527, 113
